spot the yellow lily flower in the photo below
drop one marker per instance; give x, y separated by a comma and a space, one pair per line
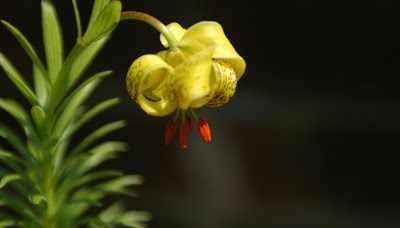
200, 68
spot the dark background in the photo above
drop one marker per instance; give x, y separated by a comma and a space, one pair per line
310, 138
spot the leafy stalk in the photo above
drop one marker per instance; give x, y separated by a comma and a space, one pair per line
44, 182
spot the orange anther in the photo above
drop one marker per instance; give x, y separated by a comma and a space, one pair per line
204, 130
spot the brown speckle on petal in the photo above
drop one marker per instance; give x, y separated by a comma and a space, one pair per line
224, 85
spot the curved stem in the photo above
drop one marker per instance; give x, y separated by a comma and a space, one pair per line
135, 15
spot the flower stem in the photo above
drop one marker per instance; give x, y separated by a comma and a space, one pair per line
140, 16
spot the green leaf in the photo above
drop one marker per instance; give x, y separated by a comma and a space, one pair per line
94, 176
52, 37
77, 18
98, 133
17, 79
74, 179
16, 110
66, 115
18, 166
38, 117
17, 143
104, 23
92, 79
77, 62
8, 178
120, 185
116, 186
37, 199
26, 45
112, 212
94, 222
134, 219
115, 215
20, 207
92, 113
62, 81
83, 199
78, 164
99, 154
8, 223
84, 60
42, 86
12, 161
98, 6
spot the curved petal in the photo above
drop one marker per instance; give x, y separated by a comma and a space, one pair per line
176, 29
187, 48
144, 82
223, 49
190, 83
224, 83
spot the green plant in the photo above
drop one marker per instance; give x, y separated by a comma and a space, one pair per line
48, 182
45, 181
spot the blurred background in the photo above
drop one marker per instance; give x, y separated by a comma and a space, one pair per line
310, 139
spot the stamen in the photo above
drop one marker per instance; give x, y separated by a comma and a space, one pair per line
170, 131
189, 124
194, 114
204, 130
182, 135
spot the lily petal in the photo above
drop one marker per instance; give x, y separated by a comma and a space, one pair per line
144, 82
190, 83
224, 81
223, 49
187, 48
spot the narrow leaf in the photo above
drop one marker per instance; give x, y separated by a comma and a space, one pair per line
8, 223
104, 23
16, 142
98, 6
77, 61
112, 212
42, 86
78, 164
16, 110
117, 215
52, 37
18, 206
92, 113
90, 80
37, 199
18, 165
8, 178
99, 154
60, 86
97, 134
67, 114
26, 45
134, 219
120, 185
38, 118
83, 61
12, 161
17, 79
95, 176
